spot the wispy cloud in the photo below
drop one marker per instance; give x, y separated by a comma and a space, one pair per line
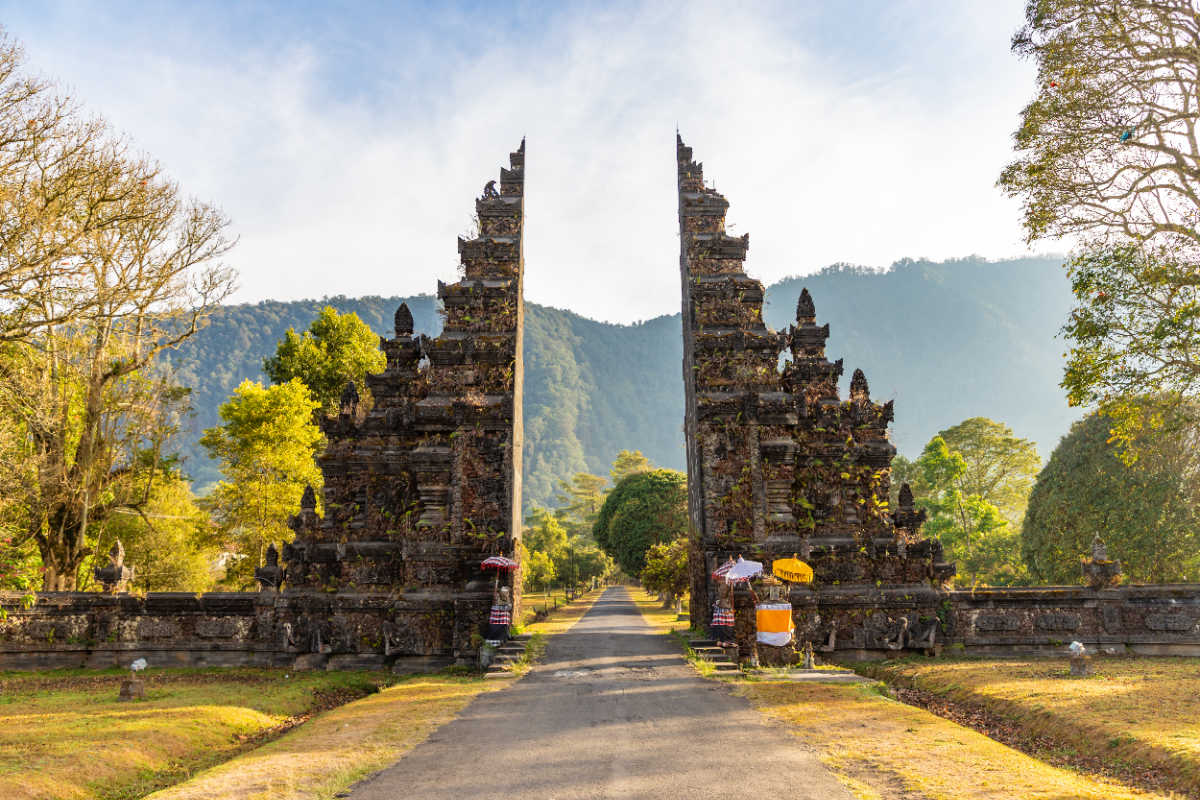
347, 143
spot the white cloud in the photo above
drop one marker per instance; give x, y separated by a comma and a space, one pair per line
835, 138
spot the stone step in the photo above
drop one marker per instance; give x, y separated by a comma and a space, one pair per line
695, 643
725, 666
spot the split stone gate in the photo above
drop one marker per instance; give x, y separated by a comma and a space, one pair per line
424, 484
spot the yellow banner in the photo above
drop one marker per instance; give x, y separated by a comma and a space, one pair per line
775, 618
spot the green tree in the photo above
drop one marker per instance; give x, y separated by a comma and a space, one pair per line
335, 350
1135, 341
266, 445
1108, 145
1145, 512
971, 527
998, 466
644, 509
537, 570
666, 572
1108, 159
627, 463
169, 540
579, 501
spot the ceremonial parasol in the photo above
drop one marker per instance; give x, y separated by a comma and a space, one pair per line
720, 571
498, 562
792, 569
743, 570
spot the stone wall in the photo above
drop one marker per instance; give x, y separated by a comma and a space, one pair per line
422, 481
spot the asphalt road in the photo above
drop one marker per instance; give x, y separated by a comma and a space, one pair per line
612, 711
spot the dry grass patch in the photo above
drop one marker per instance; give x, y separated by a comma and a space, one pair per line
340, 747
1137, 718
65, 736
886, 749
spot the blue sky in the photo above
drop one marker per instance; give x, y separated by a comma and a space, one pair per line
346, 140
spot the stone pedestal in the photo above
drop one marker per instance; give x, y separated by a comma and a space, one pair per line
132, 689
1081, 666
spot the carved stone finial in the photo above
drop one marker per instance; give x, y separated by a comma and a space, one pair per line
805, 310
404, 321
859, 391
1100, 571
115, 576
521, 149
308, 500
349, 402
271, 575
906, 497
489, 190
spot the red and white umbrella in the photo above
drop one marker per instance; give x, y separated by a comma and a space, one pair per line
743, 570
720, 571
498, 562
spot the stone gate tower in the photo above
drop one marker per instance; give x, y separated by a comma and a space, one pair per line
778, 463
426, 482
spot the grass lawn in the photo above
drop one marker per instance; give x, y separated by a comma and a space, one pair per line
882, 748
340, 747
533, 602
64, 735
1136, 718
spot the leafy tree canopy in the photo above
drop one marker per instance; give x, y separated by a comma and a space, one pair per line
643, 509
1135, 341
1145, 512
974, 480
666, 570
169, 541
335, 350
627, 463
266, 444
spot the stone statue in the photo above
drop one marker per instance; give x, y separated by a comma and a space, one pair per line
271, 575
116, 576
489, 190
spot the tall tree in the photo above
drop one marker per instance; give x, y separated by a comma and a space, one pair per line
998, 466
667, 572
644, 509
104, 266
1109, 152
335, 350
579, 502
969, 524
1110, 158
1145, 512
1135, 341
627, 463
266, 444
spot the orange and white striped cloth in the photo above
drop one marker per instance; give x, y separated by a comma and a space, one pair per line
774, 623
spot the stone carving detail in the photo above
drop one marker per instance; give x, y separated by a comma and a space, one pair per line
1178, 622
997, 623
1057, 621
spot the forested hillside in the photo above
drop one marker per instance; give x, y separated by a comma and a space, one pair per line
947, 340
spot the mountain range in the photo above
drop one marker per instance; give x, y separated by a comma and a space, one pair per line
947, 340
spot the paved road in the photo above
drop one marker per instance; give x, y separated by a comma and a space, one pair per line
613, 711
